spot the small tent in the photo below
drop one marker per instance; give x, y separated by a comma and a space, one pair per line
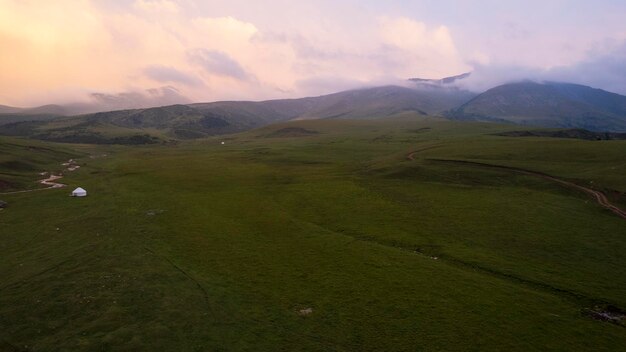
79, 192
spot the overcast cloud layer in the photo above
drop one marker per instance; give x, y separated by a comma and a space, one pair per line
164, 51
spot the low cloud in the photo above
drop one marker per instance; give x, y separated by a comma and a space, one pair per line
602, 68
606, 70
418, 48
218, 63
328, 84
151, 97
166, 74
484, 77
331, 84
100, 101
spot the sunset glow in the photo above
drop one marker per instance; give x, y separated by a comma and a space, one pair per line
67, 50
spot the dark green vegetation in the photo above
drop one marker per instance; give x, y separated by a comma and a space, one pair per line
203, 246
576, 133
6, 119
548, 104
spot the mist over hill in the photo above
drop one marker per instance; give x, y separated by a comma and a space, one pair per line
546, 104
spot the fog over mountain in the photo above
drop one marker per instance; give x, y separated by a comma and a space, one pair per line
602, 69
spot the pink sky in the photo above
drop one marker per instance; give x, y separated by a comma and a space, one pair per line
66, 50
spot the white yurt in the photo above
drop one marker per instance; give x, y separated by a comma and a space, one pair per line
79, 192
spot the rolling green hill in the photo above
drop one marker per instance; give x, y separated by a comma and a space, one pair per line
548, 104
322, 235
155, 125
540, 104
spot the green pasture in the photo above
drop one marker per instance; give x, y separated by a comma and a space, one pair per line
322, 238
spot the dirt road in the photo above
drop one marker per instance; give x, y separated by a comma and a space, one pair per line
597, 195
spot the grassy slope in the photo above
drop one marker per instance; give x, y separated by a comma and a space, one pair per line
22, 160
208, 247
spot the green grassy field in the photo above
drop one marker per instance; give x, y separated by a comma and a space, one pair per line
22, 161
201, 246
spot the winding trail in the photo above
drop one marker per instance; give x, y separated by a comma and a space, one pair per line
411, 155
599, 197
50, 182
70, 165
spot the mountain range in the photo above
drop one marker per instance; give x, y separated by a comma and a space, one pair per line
547, 104
206, 119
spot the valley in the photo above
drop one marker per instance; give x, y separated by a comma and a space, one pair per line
401, 233
309, 176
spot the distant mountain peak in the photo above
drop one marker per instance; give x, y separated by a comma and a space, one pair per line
549, 104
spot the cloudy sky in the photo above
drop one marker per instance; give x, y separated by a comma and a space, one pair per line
167, 51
